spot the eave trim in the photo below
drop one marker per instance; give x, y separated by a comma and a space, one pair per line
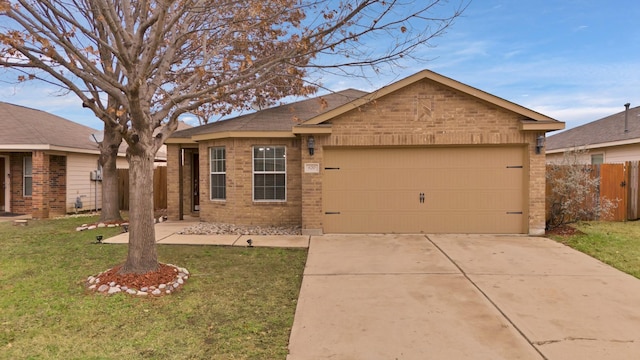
243, 134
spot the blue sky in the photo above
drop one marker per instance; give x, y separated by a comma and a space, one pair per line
574, 60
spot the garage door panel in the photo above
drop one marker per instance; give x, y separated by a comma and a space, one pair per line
365, 201
468, 190
464, 200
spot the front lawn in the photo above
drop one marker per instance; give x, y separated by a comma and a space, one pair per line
614, 243
238, 304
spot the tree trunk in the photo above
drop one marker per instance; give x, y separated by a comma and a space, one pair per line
108, 159
110, 201
143, 256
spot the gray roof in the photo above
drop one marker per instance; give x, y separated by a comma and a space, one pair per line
279, 118
605, 130
27, 128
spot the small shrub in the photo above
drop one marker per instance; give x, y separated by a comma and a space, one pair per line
574, 192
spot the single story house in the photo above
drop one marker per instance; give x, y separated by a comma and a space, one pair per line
47, 164
613, 139
426, 154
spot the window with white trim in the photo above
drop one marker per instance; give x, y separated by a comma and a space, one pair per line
269, 173
218, 168
27, 176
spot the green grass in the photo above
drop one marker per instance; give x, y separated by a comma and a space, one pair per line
238, 304
614, 243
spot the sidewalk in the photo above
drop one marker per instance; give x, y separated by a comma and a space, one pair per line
166, 234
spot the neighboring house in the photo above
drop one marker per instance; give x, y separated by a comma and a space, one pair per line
613, 139
426, 154
46, 163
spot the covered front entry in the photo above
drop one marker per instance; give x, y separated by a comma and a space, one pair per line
425, 189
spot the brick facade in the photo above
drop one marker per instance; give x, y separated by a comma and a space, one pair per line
19, 203
422, 113
49, 184
239, 206
57, 185
173, 181
425, 114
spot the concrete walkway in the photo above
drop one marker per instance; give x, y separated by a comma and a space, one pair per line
420, 297
461, 297
166, 234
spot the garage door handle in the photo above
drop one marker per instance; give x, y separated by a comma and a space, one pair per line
421, 198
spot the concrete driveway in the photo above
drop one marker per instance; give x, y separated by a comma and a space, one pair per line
461, 297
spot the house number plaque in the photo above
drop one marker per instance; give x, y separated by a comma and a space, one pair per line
312, 168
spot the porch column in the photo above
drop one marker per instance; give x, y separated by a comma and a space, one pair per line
40, 185
174, 193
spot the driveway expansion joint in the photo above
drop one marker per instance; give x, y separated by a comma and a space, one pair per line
477, 287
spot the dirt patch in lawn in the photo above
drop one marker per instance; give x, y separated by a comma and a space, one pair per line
564, 230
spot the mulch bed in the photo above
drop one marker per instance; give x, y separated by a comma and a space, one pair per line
564, 230
164, 274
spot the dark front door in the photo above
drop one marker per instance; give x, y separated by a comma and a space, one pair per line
2, 184
195, 165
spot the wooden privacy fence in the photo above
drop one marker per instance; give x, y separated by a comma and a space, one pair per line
618, 183
159, 188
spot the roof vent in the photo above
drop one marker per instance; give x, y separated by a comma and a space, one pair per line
626, 117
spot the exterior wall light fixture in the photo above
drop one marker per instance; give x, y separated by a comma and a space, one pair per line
311, 144
539, 144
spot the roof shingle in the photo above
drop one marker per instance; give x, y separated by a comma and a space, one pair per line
279, 118
20, 125
605, 130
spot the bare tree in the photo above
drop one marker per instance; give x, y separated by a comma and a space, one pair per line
140, 64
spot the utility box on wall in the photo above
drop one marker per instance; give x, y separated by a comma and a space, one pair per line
95, 175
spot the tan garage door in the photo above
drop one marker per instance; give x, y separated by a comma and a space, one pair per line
430, 190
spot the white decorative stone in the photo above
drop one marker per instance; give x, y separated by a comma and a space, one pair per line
111, 225
114, 290
162, 286
101, 225
142, 293
131, 291
180, 281
103, 288
92, 287
156, 292
91, 227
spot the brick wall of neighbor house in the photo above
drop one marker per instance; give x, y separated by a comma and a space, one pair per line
19, 203
40, 196
57, 185
239, 207
425, 113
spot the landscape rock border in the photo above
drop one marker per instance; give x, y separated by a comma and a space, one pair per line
167, 280
124, 224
